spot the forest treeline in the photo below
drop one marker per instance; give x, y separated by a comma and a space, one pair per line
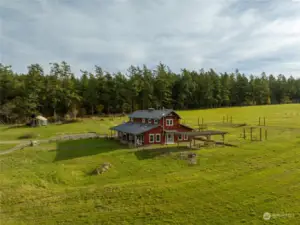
61, 93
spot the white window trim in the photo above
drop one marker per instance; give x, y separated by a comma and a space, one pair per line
169, 122
151, 135
143, 120
155, 121
180, 137
157, 135
131, 119
149, 121
186, 137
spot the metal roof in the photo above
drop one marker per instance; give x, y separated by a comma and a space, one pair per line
134, 128
203, 133
41, 118
152, 114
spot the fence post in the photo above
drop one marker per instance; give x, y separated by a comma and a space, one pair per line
259, 121
251, 133
266, 134
260, 130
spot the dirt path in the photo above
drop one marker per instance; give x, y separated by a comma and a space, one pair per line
25, 143
13, 142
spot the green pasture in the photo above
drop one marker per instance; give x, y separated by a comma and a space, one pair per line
52, 183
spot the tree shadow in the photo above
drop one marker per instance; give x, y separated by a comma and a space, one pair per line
16, 126
68, 122
157, 152
71, 149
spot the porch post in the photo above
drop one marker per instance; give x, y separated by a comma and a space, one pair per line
134, 140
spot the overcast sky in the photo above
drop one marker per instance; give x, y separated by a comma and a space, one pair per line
251, 35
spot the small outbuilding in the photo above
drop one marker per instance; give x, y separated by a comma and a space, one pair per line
39, 121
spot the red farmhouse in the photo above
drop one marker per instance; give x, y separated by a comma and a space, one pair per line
153, 127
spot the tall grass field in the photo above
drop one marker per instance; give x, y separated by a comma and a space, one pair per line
52, 183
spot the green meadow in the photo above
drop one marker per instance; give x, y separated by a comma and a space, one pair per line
52, 183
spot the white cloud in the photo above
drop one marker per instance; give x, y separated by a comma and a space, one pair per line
221, 34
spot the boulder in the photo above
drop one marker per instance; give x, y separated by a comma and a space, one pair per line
102, 168
192, 158
192, 155
34, 143
192, 161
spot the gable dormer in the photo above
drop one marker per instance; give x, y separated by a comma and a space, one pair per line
152, 116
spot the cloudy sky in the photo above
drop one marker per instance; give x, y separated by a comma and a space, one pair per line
251, 35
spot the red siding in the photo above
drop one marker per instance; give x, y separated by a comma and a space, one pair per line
139, 120
157, 130
176, 121
171, 116
182, 129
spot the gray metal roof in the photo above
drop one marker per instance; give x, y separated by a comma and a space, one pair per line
134, 128
151, 114
204, 133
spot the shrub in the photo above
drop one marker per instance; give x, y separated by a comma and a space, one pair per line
67, 117
71, 121
82, 112
28, 135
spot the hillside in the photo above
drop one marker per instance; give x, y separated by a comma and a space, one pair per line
51, 183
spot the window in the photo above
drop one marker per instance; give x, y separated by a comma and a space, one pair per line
180, 137
149, 121
155, 121
143, 120
157, 138
151, 138
169, 122
185, 137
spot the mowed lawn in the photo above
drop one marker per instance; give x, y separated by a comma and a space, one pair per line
52, 184
4, 147
99, 125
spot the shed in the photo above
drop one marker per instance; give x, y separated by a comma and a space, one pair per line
39, 121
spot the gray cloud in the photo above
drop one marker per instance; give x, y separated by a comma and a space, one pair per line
253, 36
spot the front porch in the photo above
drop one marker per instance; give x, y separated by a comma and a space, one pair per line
169, 137
132, 139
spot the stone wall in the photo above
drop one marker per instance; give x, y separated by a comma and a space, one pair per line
91, 135
77, 137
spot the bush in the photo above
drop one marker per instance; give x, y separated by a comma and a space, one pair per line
67, 117
82, 112
71, 121
28, 135
53, 120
